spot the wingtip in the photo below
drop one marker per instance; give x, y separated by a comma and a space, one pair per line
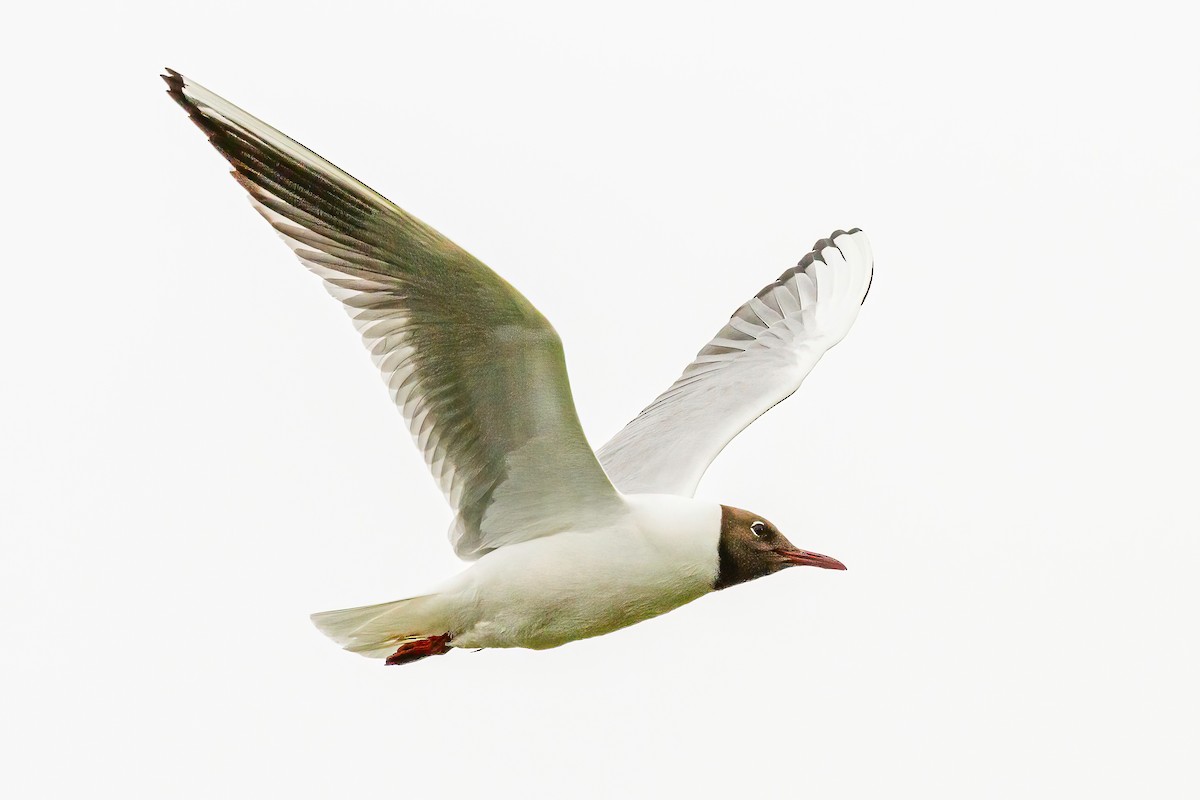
871, 277
815, 255
173, 79
175, 83
838, 233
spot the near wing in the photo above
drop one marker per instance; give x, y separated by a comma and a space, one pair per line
758, 359
476, 370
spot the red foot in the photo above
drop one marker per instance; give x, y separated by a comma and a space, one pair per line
420, 648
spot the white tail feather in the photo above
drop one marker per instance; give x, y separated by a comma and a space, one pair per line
376, 631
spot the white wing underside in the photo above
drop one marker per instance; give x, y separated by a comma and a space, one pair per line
770, 344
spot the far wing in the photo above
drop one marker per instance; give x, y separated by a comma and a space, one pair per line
477, 372
758, 359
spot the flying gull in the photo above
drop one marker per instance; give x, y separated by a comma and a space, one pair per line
567, 543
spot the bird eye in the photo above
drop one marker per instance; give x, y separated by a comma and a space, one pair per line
758, 528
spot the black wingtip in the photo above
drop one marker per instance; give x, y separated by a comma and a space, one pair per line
175, 83
175, 86
173, 80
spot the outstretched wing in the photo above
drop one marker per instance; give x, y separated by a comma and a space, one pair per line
758, 359
478, 373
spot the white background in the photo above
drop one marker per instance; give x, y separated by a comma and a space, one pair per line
196, 453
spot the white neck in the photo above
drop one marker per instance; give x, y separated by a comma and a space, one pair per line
686, 531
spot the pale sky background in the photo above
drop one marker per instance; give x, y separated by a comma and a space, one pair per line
196, 452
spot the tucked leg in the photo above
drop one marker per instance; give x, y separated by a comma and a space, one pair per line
420, 648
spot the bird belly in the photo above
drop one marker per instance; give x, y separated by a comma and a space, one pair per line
547, 592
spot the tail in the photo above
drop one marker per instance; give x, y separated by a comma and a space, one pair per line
376, 631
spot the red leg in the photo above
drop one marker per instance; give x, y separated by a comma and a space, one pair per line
420, 648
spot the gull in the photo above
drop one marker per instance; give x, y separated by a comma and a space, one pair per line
567, 542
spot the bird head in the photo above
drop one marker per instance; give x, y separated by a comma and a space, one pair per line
751, 547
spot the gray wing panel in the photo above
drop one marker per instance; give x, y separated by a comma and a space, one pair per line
477, 371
